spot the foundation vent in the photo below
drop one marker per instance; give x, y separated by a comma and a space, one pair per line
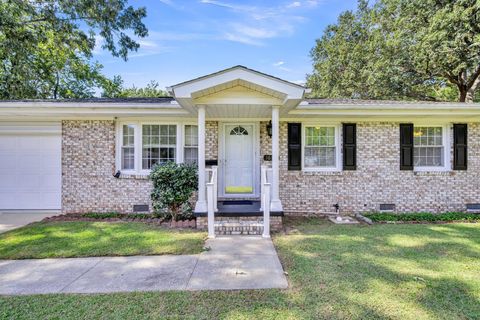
473, 207
387, 207
140, 208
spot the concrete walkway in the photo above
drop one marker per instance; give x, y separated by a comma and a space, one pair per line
234, 262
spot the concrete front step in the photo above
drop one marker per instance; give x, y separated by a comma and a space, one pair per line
238, 227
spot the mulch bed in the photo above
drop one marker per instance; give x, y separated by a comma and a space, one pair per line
156, 221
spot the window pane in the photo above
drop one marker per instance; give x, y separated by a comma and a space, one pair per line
191, 155
428, 151
320, 147
127, 147
191, 135
159, 144
128, 158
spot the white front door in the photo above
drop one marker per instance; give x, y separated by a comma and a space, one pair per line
239, 160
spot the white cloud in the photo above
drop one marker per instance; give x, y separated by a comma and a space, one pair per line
227, 5
253, 24
177, 36
148, 44
99, 41
167, 2
241, 39
300, 82
294, 4
254, 32
280, 65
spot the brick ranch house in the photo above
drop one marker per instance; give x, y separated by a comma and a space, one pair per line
319, 156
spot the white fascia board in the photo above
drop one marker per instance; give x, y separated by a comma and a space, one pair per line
397, 106
54, 104
185, 90
23, 127
87, 109
398, 110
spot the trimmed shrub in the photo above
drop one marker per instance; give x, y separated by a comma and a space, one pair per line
173, 186
423, 216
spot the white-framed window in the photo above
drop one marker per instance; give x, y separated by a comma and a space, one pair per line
431, 151
321, 150
128, 147
141, 145
159, 144
190, 144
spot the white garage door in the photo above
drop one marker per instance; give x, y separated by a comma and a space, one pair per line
30, 166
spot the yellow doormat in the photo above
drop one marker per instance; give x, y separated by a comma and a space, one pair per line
239, 190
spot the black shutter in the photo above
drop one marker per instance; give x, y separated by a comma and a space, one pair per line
406, 146
294, 146
349, 146
460, 137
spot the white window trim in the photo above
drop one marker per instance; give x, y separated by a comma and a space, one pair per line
179, 150
183, 125
338, 152
119, 144
446, 148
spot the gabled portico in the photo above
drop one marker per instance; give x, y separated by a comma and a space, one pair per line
239, 98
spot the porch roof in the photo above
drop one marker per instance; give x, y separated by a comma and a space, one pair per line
226, 90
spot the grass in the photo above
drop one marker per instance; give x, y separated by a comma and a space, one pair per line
335, 272
423, 216
83, 239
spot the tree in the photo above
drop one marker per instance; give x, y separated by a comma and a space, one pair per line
115, 89
46, 45
401, 49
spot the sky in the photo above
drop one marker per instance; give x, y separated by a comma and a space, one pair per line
191, 38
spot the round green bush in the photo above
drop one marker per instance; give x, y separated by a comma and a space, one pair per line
173, 186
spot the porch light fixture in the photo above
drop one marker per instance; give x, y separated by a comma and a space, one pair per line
269, 128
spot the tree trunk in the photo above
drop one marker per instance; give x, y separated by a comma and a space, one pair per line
463, 94
470, 95
55, 91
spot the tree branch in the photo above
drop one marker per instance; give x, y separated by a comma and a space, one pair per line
451, 78
58, 19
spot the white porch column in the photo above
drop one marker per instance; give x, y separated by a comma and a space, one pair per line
201, 205
276, 203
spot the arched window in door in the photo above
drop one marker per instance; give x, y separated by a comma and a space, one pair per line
239, 131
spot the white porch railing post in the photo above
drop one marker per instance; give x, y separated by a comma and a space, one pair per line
266, 211
276, 203
215, 187
210, 210
263, 177
201, 205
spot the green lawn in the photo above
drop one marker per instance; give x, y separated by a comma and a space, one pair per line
335, 272
83, 239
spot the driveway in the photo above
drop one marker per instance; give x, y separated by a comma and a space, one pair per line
11, 220
232, 263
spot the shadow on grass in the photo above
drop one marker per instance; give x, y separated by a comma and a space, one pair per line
335, 272
81, 239
396, 271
